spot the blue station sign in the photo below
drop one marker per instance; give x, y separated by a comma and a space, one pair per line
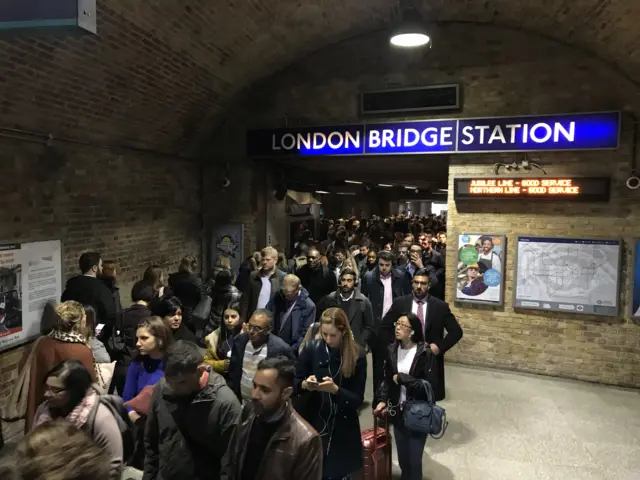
583, 131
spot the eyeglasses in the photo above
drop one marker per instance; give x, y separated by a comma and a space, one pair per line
55, 390
256, 329
402, 325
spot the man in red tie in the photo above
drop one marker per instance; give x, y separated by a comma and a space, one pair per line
436, 317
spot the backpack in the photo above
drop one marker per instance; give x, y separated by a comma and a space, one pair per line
115, 404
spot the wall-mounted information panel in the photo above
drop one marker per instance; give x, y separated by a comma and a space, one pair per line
583, 189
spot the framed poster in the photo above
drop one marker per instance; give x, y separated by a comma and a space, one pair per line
30, 277
480, 272
227, 241
635, 281
573, 275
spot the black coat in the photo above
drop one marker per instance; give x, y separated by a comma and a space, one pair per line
190, 290
249, 300
319, 282
373, 289
422, 368
275, 347
439, 318
187, 437
360, 315
91, 291
345, 454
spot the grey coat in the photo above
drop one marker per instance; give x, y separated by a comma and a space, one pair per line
187, 438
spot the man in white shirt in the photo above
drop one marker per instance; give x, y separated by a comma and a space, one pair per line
263, 284
436, 318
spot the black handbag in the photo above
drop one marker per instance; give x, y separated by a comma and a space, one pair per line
424, 416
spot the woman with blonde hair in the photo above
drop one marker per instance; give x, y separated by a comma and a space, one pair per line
64, 342
331, 373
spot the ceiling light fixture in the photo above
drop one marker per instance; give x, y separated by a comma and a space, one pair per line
409, 32
353, 181
443, 190
346, 193
322, 192
410, 187
385, 185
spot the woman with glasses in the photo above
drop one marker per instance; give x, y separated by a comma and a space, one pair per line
249, 348
70, 396
331, 374
409, 361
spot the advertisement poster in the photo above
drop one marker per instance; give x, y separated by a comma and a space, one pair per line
227, 240
480, 268
635, 295
571, 275
30, 277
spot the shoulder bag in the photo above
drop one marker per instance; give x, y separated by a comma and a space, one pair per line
424, 416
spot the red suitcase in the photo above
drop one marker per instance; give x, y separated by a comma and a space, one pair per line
376, 443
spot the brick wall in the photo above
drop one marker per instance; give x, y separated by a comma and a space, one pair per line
133, 208
503, 72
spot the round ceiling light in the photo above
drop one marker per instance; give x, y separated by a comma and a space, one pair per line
409, 39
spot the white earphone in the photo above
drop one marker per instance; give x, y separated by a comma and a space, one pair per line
412, 332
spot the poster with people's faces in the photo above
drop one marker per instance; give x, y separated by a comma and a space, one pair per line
635, 294
480, 272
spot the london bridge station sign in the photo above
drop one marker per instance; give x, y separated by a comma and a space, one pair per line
584, 131
585, 189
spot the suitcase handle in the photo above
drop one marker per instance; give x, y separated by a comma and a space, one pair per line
375, 431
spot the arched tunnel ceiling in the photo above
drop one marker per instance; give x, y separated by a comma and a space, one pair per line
161, 72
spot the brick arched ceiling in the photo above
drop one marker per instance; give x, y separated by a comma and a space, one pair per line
161, 72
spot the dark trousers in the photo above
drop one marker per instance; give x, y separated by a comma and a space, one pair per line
377, 360
410, 446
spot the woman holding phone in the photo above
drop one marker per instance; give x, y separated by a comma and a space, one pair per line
331, 374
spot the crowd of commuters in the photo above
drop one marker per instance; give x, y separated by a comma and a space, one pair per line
268, 383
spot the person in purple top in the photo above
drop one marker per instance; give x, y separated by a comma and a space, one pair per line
153, 338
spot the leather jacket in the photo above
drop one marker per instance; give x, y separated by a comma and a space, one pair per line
294, 451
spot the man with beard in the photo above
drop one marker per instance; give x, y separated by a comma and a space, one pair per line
436, 317
272, 440
316, 278
354, 304
488, 259
191, 421
87, 289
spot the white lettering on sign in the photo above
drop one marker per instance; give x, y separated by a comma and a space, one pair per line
496, 135
288, 141
355, 141
335, 140
319, 140
374, 139
518, 133
413, 141
316, 141
445, 136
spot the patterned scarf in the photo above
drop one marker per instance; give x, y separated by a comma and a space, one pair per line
78, 416
73, 337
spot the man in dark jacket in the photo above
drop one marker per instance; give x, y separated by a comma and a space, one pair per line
189, 288
355, 305
318, 279
192, 418
296, 453
87, 289
381, 286
250, 348
293, 312
436, 317
263, 284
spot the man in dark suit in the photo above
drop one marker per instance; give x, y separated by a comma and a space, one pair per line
263, 284
355, 305
436, 317
318, 280
250, 348
381, 286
